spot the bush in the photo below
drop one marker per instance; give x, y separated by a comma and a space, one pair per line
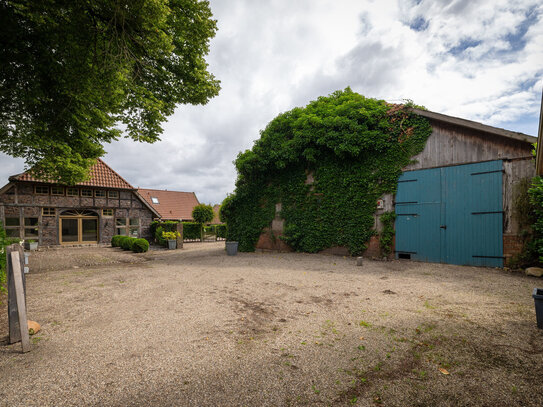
203, 213
170, 235
158, 236
221, 231
536, 199
191, 230
126, 242
115, 241
140, 245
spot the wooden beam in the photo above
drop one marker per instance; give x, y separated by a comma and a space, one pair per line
539, 152
20, 296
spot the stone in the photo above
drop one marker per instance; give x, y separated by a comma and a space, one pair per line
359, 261
534, 271
33, 327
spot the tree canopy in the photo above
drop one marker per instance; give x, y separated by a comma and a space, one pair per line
74, 72
203, 213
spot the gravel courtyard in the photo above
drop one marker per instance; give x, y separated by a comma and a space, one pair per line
195, 327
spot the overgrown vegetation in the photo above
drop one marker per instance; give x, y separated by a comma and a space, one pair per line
4, 241
327, 164
536, 199
386, 237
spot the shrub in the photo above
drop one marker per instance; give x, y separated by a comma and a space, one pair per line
158, 236
115, 241
170, 235
126, 242
536, 199
203, 213
191, 230
140, 245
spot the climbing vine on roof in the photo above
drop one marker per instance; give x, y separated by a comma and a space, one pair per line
327, 164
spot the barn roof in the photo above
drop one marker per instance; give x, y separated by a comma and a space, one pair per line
171, 205
475, 126
101, 175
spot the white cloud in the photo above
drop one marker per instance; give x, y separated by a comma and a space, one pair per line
479, 60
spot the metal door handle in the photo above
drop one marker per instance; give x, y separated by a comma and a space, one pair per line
443, 227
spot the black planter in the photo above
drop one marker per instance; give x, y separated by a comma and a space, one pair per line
538, 299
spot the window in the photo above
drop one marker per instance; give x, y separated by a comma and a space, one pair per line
134, 228
41, 190
127, 227
154, 200
72, 192
57, 191
120, 226
48, 211
12, 222
100, 193
86, 192
112, 194
12, 227
31, 228
107, 212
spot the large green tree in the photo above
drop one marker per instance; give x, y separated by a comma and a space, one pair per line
74, 72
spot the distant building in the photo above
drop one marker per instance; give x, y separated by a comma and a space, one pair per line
216, 219
171, 205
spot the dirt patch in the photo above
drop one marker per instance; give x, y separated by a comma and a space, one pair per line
195, 327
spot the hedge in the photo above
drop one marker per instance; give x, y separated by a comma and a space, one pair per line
140, 245
191, 230
220, 230
130, 243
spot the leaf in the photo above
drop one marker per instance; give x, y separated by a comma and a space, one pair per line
444, 371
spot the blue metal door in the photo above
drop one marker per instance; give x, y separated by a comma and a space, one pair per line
451, 215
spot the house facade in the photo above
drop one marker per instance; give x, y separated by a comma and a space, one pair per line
455, 202
87, 213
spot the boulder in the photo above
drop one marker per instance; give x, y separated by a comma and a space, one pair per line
33, 327
534, 271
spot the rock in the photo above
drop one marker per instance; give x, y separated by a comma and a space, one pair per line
534, 271
33, 327
359, 261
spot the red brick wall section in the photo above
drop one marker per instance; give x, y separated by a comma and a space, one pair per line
512, 245
268, 243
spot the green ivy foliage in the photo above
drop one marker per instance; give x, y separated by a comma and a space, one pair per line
352, 146
386, 236
536, 199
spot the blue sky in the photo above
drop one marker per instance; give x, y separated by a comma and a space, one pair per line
480, 60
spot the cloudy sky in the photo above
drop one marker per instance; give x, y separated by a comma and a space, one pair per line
477, 59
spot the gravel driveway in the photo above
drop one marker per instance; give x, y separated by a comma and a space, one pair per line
195, 327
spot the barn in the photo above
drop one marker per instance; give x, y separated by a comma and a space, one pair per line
454, 202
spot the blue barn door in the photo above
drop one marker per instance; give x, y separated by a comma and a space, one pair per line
451, 215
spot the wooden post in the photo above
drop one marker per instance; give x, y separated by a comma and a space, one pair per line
17, 274
180, 237
14, 330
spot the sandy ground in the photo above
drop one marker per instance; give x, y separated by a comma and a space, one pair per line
195, 327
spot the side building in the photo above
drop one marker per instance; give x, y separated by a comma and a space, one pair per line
171, 205
90, 212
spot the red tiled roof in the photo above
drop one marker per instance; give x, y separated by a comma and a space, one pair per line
172, 205
216, 218
101, 175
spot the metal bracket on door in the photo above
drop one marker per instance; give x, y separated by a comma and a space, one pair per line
443, 227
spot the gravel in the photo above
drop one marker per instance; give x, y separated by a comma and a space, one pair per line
194, 327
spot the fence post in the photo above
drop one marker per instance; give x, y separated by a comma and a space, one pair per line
14, 329
180, 237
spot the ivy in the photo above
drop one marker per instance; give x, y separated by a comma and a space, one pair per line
536, 199
387, 234
327, 164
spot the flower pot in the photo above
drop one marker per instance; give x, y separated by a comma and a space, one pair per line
172, 244
231, 248
538, 300
31, 245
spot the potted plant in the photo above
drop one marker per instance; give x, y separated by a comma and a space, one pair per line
171, 237
31, 244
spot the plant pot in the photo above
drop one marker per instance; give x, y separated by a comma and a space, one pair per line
31, 245
538, 300
231, 248
172, 244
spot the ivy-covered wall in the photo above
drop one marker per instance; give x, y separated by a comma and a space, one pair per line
352, 147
